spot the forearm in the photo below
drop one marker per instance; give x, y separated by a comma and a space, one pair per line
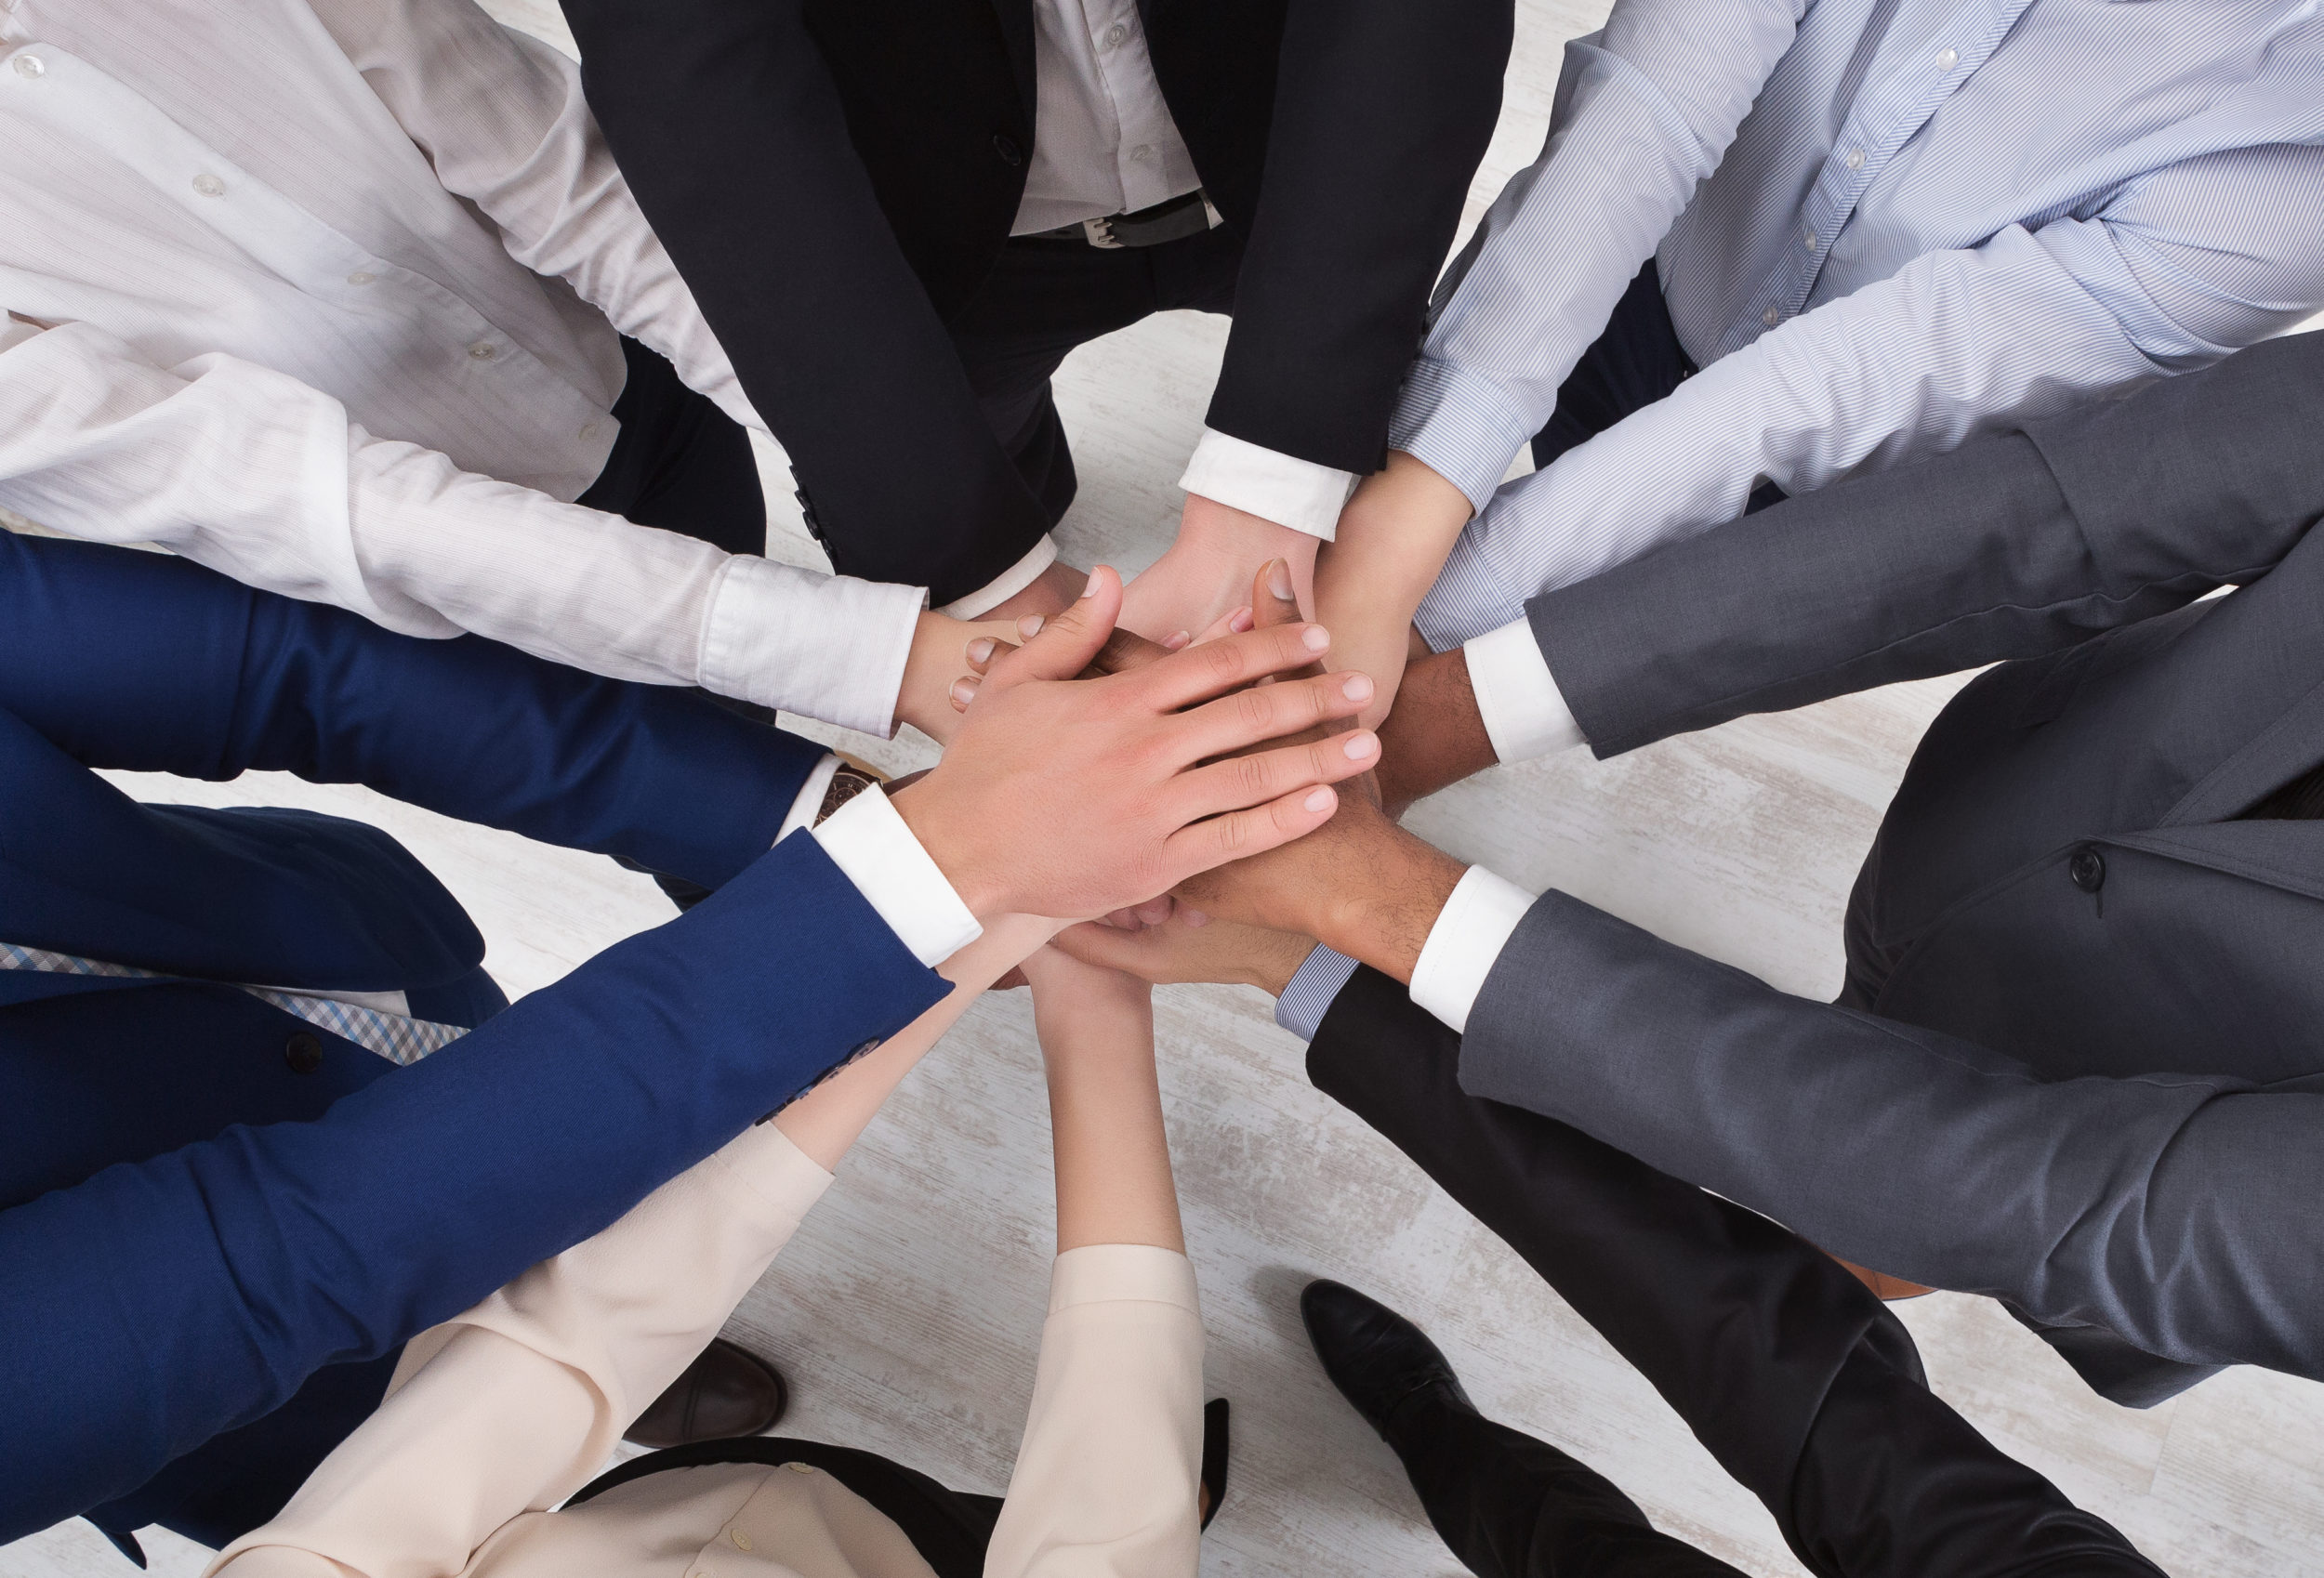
1435, 736
1393, 540
1112, 1158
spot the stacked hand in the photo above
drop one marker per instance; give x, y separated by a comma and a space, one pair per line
1200, 582
1069, 796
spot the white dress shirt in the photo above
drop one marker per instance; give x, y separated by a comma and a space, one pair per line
1462, 946
324, 294
1104, 144
1937, 215
499, 1415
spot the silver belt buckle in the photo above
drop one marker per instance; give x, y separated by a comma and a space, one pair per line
1101, 233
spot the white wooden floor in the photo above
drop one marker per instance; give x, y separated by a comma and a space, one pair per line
907, 1312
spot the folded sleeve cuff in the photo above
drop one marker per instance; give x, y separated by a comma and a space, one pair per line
1312, 989
1470, 597
1470, 933
1105, 1273
1011, 580
1299, 493
828, 647
868, 840
1462, 423
1525, 714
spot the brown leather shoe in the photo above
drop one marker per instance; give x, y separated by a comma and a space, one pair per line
726, 1391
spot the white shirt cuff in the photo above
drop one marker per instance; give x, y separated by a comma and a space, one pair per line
868, 840
1470, 933
830, 647
1281, 488
1524, 712
809, 800
1011, 580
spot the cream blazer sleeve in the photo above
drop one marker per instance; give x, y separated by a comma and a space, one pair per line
1106, 1481
512, 1406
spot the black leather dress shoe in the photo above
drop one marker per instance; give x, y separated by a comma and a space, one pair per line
726, 1391
1381, 1361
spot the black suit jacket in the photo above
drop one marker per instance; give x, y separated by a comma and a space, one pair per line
2080, 1063
835, 178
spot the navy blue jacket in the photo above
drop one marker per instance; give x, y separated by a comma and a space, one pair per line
189, 1229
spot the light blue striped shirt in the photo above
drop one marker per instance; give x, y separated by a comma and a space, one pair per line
1883, 226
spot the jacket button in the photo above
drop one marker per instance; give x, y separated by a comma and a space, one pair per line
1006, 146
303, 1052
2088, 868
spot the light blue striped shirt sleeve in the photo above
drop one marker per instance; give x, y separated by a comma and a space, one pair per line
1645, 109
1865, 278
1312, 989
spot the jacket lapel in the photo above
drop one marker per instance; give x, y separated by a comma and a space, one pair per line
2278, 753
1016, 31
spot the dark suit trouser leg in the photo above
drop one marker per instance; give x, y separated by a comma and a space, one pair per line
1044, 298
680, 464
1801, 1384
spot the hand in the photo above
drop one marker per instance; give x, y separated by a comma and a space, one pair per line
937, 657
1071, 798
1393, 540
1201, 579
1190, 947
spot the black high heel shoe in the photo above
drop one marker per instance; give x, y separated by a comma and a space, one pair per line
1214, 1443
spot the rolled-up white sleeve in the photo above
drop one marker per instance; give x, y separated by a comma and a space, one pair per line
1645, 110
1282, 488
1475, 925
1106, 1480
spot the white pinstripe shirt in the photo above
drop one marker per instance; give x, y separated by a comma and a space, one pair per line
1937, 215
317, 292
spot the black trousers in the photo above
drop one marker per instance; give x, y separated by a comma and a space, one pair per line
950, 1529
679, 463
1796, 1378
1045, 297
1636, 361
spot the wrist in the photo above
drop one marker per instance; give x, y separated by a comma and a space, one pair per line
1385, 922
957, 853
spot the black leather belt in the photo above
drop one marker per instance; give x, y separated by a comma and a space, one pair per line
1175, 220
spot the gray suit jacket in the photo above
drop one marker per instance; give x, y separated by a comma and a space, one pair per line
2080, 1060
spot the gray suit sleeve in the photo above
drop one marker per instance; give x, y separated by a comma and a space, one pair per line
2015, 545
2178, 1212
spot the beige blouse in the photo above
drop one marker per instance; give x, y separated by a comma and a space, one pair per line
497, 1415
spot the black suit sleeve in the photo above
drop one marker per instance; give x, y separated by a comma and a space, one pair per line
2177, 1211
1383, 110
730, 130
2015, 545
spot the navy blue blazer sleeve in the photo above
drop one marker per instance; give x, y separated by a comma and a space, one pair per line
140, 661
152, 1306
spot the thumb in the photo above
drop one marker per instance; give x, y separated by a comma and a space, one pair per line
1064, 646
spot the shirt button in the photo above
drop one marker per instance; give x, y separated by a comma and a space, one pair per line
1142, 153
1006, 146
589, 432
1948, 58
361, 277
742, 1541
1856, 159
1771, 317
1809, 238
209, 186
1115, 35
483, 350
800, 1467
28, 66
303, 1052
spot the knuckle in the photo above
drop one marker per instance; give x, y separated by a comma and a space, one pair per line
1255, 708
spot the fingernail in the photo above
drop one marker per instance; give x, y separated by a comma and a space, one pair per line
1358, 688
1240, 621
1279, 579
1317, 799
981, 651
1316, 638
1179, 641
1030, 625
964, 690
1361, 743
1091, 589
